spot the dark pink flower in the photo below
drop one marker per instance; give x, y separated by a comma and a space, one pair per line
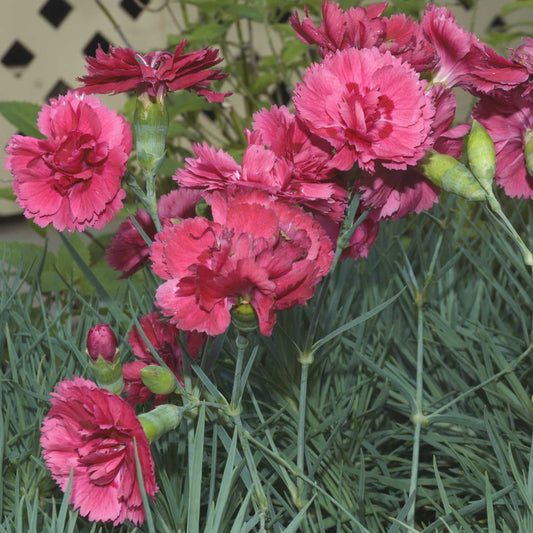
464, 61
395, 193
509, 121
71, 179
154, 73
163, 338
93, 432
523, 56
102, 341
283, 158
128, 252
359, 27
370, 106
257, 250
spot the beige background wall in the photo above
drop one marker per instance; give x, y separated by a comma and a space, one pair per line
57, 47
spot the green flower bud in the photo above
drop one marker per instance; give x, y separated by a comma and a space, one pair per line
158, 379
452, 176
161, 420
150, 124
244, 317
108, 375
481, 155
528, 150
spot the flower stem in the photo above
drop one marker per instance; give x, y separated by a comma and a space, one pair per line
236, 394
505, 223
306, 360
418, 418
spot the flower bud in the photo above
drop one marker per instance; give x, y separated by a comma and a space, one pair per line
158, 379
105, 365
528, 150
244, 317
108, 375
161, 420
481, 155
150, 124
452, 176
102, 341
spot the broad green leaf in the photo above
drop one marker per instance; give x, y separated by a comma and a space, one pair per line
23, 115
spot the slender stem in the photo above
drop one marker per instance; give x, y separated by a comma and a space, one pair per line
242, 345
114, 23
504, 222
302, 409
418, 417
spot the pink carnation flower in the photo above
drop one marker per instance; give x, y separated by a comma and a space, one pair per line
359, 27
464, 61
154, 73
509, 121
395, 193
257, 250
128, 252
163, 338
283, 158
93, 432
71, 179
370, 106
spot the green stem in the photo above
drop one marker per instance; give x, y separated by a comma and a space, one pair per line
306, 362
505, 223
418, 417
236, 394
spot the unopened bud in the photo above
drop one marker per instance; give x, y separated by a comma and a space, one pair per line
449, 174
158, 379
102, 341
244, 317
528, 150
161, 420
150, 124
481, 155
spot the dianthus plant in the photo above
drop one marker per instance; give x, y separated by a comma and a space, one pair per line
368, 135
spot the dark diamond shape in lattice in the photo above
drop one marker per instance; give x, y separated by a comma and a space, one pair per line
59, 88
133, 7
92, 45
55, 11
17, 56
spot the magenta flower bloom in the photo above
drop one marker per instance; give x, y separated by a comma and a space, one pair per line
395, 193
257, 250
283, 158
102, 341
509, 121
464, 61
154, 73
128, 252
92, 431
71, 179
163, 337
370, 106
359, 27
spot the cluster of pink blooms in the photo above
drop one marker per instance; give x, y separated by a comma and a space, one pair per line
364, 116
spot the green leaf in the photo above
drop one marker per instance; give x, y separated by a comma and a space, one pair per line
23, 115
7, 193
245, 12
